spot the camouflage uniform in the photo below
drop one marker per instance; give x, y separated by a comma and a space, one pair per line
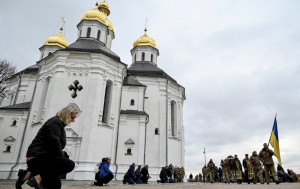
254, 159
237, 167
182, 173
211, 169
226, 169
204, 173
265, 155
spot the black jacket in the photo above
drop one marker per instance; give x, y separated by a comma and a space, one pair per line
50, 139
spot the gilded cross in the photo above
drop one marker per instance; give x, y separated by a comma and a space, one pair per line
75, 87
62, 23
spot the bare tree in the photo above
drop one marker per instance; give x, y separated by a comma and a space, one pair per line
7, 69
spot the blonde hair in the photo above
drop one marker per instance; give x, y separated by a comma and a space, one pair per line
65, 114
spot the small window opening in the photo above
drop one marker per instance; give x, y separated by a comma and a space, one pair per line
135, 58
156, 131
98, 35
132, 102
143, 56
79, 33
14, 123
49, 53
88, 33
8, 148
128, 151
151, 57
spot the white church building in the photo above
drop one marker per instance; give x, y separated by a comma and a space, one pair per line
130, 112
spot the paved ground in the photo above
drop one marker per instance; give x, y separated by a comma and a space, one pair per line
9, 184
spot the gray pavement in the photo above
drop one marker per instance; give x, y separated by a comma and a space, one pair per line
70, 184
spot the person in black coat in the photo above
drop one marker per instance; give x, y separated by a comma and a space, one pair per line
163, 175
45, 156
145, 174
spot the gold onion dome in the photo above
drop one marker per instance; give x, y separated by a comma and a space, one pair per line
58, 40
144, 40
99, 13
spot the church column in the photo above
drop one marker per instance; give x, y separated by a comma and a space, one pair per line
142, 135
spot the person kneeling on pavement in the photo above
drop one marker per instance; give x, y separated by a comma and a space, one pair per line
106, 174
130, 176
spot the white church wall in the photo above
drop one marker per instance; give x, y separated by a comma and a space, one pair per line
134, 93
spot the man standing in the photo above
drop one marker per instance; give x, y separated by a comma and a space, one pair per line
254, 159
248, 169
226, 169
211, 169
265, 155
237, 167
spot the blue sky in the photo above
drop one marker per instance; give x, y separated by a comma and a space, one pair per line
238, 60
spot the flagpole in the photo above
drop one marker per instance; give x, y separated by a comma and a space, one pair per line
272, 130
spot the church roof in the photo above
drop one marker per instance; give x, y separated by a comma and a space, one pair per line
25, 105
133, 112
144, 68
129, 80
91, 45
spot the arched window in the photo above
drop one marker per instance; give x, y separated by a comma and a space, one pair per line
49, 53
98, 35
42, 100
151, 57
143, 56
132, 102
107, 102
14, 123
128, 151
88, 32
135, 58
173, 118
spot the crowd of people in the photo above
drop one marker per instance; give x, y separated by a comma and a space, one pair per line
171, 174
257, 168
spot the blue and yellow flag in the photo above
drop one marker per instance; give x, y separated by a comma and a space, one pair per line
274, 141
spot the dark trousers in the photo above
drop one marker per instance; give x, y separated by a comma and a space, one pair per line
106, 179
50, 168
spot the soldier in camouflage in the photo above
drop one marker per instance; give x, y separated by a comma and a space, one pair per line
226, 169
211, 169
237, 167
257, 170
265, 155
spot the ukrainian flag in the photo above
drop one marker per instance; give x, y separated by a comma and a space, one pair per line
274, 141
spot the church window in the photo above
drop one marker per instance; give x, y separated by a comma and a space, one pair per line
132, 102
107, 102
42, 56
8, 148
88, 33
128, 151
42, 100
173, 118
14, 123
98, 35
135, 58
151, 57
156, 131
49, 53
143, 56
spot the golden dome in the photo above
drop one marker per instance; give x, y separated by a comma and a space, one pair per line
100, 14
58, 40
104, 7
144, 40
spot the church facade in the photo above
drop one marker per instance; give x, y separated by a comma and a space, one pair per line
131, 113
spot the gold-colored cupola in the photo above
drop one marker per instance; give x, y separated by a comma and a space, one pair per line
58, 39
144, 40
99, 13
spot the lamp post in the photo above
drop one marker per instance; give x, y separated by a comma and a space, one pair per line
204, 156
